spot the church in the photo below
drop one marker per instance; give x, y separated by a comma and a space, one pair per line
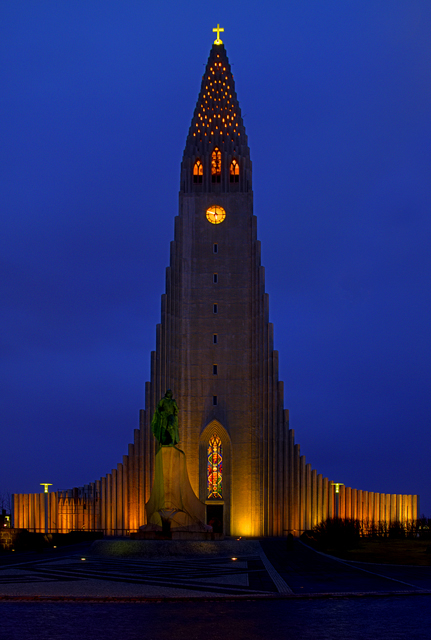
215, 351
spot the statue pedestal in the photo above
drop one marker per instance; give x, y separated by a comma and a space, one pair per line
173, 504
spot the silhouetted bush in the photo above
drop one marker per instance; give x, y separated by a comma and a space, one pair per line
334, 533
34, 541
397, 530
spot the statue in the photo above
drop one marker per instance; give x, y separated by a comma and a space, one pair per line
164, 424
173, 508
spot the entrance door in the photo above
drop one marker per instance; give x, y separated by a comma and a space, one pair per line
215, 517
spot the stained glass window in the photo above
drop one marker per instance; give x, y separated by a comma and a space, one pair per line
215, 469
234, 171
216, 165
198, 172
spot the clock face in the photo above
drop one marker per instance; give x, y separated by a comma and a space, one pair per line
216, 214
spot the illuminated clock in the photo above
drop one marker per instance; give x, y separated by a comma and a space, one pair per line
216, 214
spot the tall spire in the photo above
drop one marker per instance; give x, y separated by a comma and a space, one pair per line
217, 121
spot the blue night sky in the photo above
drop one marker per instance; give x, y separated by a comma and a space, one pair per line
96, 102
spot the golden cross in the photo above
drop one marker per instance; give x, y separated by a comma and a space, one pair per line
218, 29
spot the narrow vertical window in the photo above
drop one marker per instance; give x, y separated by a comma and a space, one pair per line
215, 469
214, 401
198, 172
234, 171
216, 165
215, 338
215, 310
215, 278
215, 247
214, 369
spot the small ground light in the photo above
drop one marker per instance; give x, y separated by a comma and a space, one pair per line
54, 547
234, 558
83, 558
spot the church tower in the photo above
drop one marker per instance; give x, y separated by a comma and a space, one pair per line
214, 350
214, 343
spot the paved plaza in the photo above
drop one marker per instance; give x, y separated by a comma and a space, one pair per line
270, 571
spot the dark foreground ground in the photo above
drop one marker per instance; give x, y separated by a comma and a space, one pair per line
282, 594
388, 618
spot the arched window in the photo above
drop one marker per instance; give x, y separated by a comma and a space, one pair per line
216, 165
234, 171
215, 469
198, 172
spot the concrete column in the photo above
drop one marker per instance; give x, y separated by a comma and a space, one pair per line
331, 500
319, 498
91, 506
415, 507
142, 453
399, 507
66, 513
314, 512
108, 528
24, 511
36, 513
289, 526
42, 512
78, 524
393, 507
371, 507
84, 506
325, 499
139, 497
60, 512
348, 502
297, 491
383, 509
120, 511
354, 503
33, 499
109, 504
29, 510
104, 520
290, 479
63, 514
342, 502
404, 508
18, 511
125, 493
132, 493
408, 508
376, 508
15, 510
302, 501
97, 506
380, 516
388, 509
53, 517
365, 516
114, 502
308, 490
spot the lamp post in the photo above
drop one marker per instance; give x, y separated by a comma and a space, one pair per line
337, 486
45, 486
